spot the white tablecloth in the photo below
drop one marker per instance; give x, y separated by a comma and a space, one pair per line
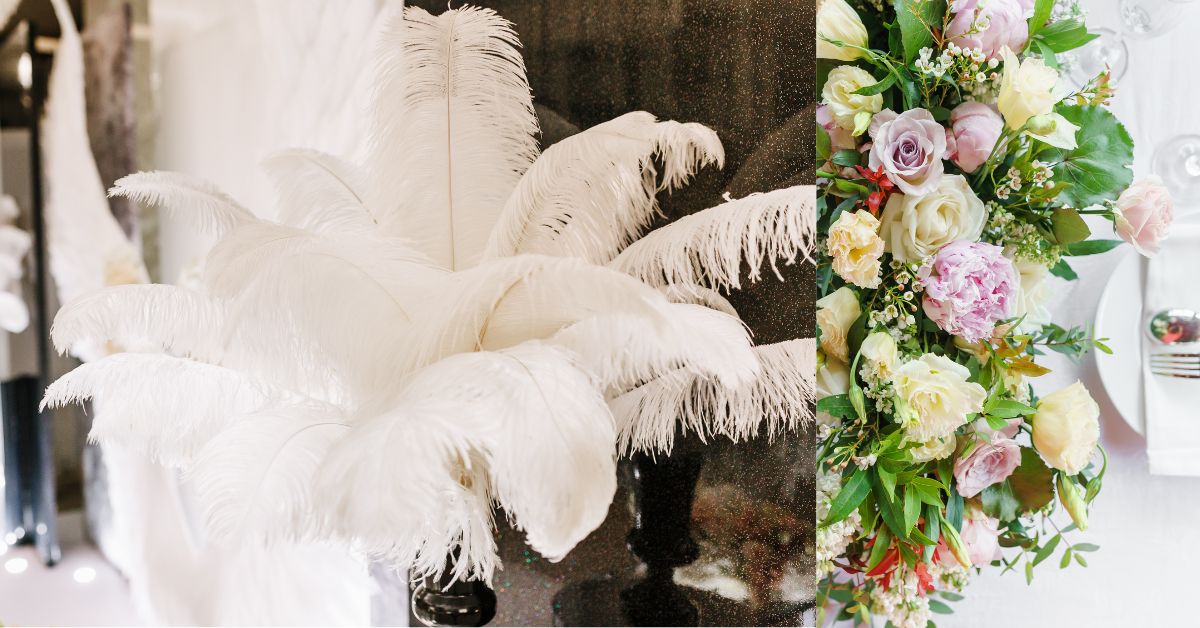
1148, 527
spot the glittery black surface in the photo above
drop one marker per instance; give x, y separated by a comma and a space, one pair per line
746, 69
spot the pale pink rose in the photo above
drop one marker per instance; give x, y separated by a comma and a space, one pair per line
969, 287
986, 465
999, 24
974, 127
910, 147
1145, 214
981, 536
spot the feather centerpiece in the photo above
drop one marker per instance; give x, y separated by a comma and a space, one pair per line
456, 324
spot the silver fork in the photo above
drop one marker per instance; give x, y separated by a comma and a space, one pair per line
1185, 365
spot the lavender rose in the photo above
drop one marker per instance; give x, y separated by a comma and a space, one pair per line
1145, 215
910, 147
990, 25
969, 286
974, 129
986, 465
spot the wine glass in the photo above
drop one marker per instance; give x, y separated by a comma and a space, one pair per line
1140, 19
1177, 161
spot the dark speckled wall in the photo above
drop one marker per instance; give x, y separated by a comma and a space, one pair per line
746, 69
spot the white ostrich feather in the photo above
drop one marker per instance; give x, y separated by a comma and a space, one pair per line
524, 427
255, 477
712, 247
622, 350
142, 317
779, 399
593, 193
198, 200
318, 191
698, 295
453, 129
165, 406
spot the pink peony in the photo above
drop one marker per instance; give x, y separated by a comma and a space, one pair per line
909, 146
1145, 215
999, 24
974, 127
981, 536
986, 465
969, 286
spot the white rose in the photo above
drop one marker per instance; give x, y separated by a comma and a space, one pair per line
838, 94
835, 313
855, 246
935, 449
833, 378
915, 227
933, 397
1026, 90
1031, 302
880, 352
837, 21
1066, 427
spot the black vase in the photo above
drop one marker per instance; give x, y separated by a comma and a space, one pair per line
440, 602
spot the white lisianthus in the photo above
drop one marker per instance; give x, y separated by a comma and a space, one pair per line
855, 246
1026, 90
1054, 130
934, 449
835, 313
837, 21
934, 397
915, 227
1031, 302
844, 105
1066, 428
880, 352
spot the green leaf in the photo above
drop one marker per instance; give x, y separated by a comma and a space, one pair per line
999, 501
1028, 572
1041, 13
1079, 559
887, 478
877, 88
939, 607
916, 17
952, 596
847, 499
1047, 549
954, 510
1069, 226
846, 157
1007, 408
912, 508
1099, 168
1092, 247
1066, 35
1066, 559
883, 540
1085, 547
838, 406
824, 144
1063, 270
889, 512
995, 422
1032, 482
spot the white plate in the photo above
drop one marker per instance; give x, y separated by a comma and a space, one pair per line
1119, 319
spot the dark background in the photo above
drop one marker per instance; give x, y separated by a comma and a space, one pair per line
746, 69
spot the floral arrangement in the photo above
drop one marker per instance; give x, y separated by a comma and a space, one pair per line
954, 176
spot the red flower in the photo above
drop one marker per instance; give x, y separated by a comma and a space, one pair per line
883, 188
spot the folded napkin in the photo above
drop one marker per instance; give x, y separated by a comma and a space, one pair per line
1172, 403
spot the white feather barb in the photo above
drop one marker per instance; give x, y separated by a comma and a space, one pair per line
593, 193
319, 192
193, 198
142, 317
453, 129
711, 248
165, 406
781, 398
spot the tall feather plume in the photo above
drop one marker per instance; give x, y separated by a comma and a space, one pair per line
453, 130
142, 317
593, 193
255, 477
165, 406
698, 295
781, 398
709, 248
319, 192
196, 199
524, 427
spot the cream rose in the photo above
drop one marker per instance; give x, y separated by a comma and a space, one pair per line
933, 397
843, 103
855, 246
880, 352
837, 21
835, 313
915, 227
1026, 90
1031, 302
1066, 427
